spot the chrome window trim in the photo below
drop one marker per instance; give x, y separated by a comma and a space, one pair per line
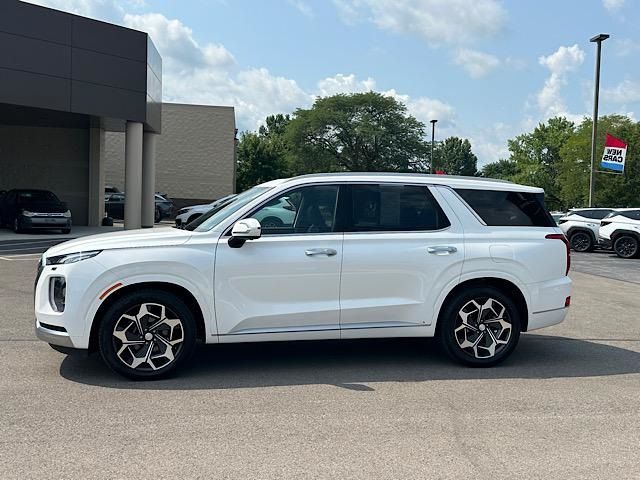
427, 185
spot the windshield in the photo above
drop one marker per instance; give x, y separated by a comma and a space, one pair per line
27, 197
214, 216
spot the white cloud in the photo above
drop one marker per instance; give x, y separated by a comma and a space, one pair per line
106, 10
303, 7
559, 64
477, 64
613, 5
344, 84
438, 22
627, 91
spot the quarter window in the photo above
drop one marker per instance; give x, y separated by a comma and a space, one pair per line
309, 209
511, 209
633, 214
392, 208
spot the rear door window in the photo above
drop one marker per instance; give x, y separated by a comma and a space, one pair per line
510, 209
392, 208
633, 214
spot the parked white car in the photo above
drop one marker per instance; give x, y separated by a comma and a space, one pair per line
620, 230
581, 226
471, 261
188, 214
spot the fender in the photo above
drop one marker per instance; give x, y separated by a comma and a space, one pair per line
475, 275
573, 230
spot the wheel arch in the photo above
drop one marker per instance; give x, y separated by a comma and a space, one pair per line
616, 233
501, 284
586, 230
178, 290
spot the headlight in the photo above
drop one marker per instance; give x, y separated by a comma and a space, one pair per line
27, 213
67, 214
71, 257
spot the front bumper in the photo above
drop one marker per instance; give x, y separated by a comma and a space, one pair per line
44, 222
605, 243
59, 336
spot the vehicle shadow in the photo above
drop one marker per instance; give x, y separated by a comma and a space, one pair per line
353, 364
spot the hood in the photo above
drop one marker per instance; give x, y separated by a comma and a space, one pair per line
145, 237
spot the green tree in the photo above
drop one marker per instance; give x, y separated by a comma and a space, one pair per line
454, 157
262, 156
356, 132
502, 169
537, 157
610, 190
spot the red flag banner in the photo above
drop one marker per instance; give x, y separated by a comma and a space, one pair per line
615, 151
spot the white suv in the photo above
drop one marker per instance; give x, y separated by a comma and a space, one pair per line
581, 226
469, 260
620, 230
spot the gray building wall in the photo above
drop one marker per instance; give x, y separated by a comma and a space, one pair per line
47, 158
195, 156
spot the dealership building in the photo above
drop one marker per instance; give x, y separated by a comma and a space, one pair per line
81, 107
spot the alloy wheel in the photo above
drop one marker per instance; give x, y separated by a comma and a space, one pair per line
580, 242
626, 247
483, 328
148, 337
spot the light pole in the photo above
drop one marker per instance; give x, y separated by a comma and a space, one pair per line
598, 39
433, 136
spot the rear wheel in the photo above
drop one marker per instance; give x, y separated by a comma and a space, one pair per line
626, 246
581, 242
480, 327
147, 335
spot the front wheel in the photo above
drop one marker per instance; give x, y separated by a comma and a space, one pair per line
147, 334
581, 242
480, 327
626, 246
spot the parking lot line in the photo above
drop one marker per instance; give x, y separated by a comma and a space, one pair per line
22, 256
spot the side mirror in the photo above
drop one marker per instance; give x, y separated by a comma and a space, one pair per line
243, 230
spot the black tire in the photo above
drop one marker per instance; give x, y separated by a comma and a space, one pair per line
110, 345
157, 216
16, 226
193, 217
271, 223
626, 246
450, 321
581, 241
66, 231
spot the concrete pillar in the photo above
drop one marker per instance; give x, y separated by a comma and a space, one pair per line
148, 179
96, 177
133, 176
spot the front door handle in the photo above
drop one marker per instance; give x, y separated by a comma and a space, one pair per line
442, 250
312, 252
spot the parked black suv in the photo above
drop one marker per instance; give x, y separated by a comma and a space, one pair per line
30, 209
114, 206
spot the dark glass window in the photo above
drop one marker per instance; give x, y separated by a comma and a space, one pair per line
633, 214
504, 208
309, 209
594, 214
392, 208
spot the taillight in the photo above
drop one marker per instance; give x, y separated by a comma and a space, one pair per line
604, 224
560, 236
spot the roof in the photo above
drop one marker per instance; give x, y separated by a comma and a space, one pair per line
454, 181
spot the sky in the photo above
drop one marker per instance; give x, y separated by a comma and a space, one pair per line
487, 70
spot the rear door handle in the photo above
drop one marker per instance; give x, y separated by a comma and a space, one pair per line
312, 252
442, 250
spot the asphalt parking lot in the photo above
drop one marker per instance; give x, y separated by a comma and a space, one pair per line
565, 405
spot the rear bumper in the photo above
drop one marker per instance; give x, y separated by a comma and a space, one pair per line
548, 318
